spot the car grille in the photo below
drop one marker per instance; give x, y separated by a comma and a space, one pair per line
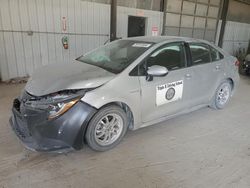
20, 124
22, 131
17, 104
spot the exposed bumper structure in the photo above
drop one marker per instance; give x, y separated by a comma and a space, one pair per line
60, 134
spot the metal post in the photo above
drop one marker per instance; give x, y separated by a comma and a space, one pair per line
223, 23
164, 4
205, 30
113, 16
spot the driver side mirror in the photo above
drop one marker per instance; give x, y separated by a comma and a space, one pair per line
156, 71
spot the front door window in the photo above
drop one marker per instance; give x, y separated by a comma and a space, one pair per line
171, 56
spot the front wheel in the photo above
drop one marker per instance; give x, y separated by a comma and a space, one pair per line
107, 128
222, 95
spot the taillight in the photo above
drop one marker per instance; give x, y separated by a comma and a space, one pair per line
237, 63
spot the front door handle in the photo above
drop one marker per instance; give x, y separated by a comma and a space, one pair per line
217, 67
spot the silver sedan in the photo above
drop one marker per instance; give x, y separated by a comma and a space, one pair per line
126, 84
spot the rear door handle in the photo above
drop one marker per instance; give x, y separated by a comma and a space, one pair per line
188, 76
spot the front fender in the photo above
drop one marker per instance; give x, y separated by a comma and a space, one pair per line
127, 92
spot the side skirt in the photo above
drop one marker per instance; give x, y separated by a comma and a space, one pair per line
186, 111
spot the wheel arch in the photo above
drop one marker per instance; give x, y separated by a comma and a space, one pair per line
125, 107
230, 80
80, 139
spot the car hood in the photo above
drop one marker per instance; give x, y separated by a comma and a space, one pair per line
65, 76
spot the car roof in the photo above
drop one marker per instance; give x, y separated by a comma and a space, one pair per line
159, 39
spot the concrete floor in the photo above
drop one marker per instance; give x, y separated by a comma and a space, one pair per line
203, 149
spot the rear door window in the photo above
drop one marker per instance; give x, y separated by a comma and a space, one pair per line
200, 53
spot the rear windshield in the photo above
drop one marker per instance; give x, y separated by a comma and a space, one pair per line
116, 56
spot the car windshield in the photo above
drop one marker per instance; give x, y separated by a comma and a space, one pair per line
116, 56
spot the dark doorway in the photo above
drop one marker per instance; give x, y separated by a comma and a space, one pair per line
136, 26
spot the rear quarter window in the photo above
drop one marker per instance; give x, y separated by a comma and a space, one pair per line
215, 54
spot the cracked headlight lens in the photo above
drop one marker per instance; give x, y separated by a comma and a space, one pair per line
58, 109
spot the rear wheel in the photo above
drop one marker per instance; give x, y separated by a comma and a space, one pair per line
222, 95
107, 128
248, 72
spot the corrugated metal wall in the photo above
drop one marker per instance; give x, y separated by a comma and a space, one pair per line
236, 36
192, 18
22, 51
31, 31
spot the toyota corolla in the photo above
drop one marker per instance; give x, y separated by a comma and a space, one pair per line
126, 84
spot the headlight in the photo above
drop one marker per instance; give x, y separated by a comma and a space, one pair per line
55, 104
60, 108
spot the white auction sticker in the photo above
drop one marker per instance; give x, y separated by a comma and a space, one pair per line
169, 92
141, 45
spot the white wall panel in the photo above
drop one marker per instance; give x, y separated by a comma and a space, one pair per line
27, 43
35, 38
71, 29
84, 26
78, 27
4, 73
17, 37
5, 12
43, 37
42, 17
10, 53
91, 14
64, 13
50, 16
105, 22
57, 21
8, 39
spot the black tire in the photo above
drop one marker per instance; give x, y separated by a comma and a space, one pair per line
215, 102
241, 69
90, 133
247, 72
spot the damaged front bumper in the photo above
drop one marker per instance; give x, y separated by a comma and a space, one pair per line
61, 134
